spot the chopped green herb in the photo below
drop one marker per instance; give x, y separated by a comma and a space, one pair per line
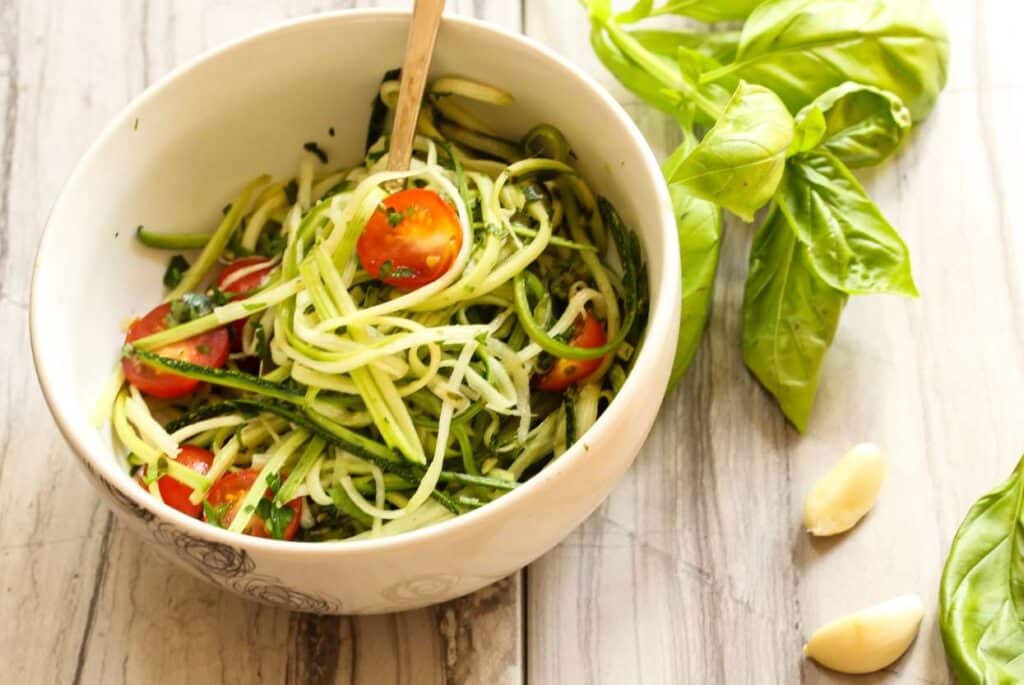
274, 482
394, 216
291, 191
276, 519
203, 348
316, 150
217, 296
544, 362
330, 131
385, 270
215, 513
176, 268
271, 243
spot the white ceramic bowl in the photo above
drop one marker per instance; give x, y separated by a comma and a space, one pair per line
184, 147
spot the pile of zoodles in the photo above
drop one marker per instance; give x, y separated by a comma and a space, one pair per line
357, 352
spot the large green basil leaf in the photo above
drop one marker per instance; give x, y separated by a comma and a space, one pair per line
702, 10
849, 243
802, 48
790, 317
861, 125
981, 597
719, 46
699, 225
739, 162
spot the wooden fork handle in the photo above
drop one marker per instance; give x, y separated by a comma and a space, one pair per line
426, 18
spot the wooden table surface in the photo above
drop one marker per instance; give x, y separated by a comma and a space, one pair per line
695, 569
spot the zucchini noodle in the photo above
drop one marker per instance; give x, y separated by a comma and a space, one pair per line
382, 409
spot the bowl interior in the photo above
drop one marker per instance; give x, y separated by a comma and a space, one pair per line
183, 149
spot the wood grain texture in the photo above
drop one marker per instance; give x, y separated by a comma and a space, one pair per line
87, 602
695, 569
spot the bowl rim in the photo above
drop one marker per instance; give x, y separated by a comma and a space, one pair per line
660, 323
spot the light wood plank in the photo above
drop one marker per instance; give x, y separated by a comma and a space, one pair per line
103, 608
696, 569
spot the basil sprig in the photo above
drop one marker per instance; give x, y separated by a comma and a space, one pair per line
775, 115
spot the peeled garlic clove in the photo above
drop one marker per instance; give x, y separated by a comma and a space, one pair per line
846, 493
868, 640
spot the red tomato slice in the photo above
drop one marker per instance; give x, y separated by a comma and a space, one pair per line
206, 349
229, 285
231, 490
414, 240
587, 332
176, 494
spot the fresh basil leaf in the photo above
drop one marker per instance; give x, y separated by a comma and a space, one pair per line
790, 317
861, 125
850, 245
981, 596
699, 226
718, 46
802, 48
702, 10
176, 268
739, 162
809, 130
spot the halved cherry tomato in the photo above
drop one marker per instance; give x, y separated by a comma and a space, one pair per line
414, 240
231, 490
229, 285
206, 349
176, 494
587, 332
